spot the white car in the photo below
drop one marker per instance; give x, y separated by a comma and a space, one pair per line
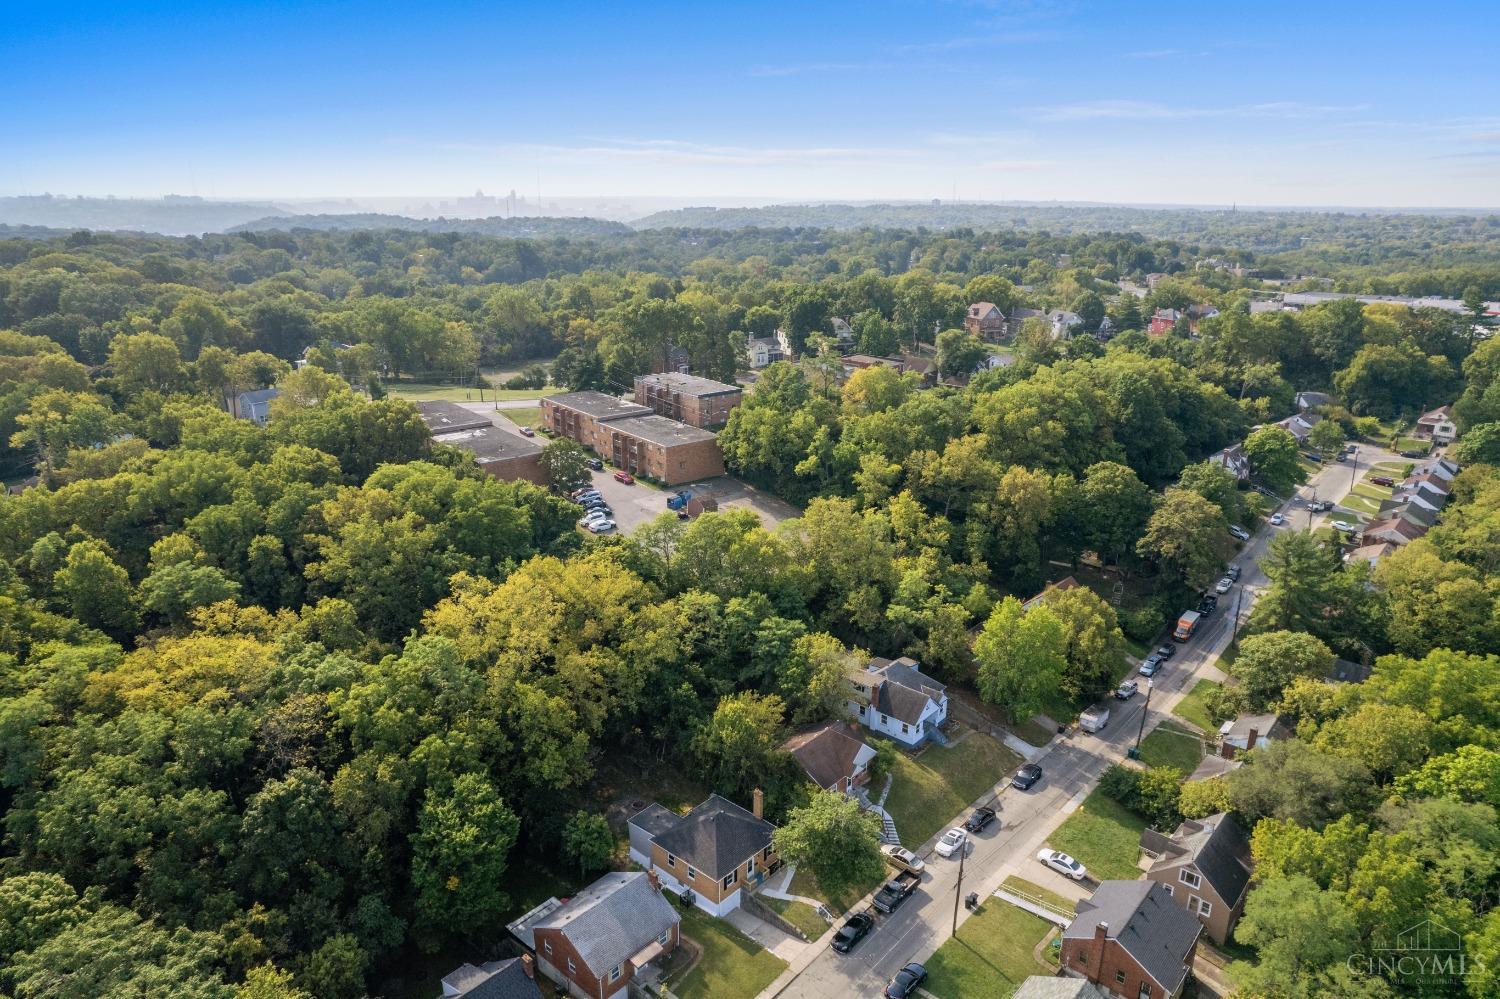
953, 840
1239, 532
1277, 520
1223, 585
600, 526
592, 518
1342, 525
1062, 864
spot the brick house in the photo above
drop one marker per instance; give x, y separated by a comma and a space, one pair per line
714, 852
833, 756
595, 943
1131, 940
698, 402
1396, 530
500, 453
1205, 866
895, 698
986, 321
1163, 321
580, 415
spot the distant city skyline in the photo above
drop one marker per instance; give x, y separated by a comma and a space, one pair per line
1309, 105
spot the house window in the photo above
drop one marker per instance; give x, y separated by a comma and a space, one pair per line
572, 968
904, 728
671, 860
614, 973
547, 947
1189, 878
1145, 992
1080, 958
1169, 889
1119, 978
766, 853
1205, 907
666, 937
861, 710
692, 874
884, 720
731, 877
749, 867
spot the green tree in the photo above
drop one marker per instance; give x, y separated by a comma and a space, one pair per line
1095, 646
1273, 458
1480, 445
736, 743
587, 842
1268, 662
1300, 932
1326, 435
459, 857
1117, 505
959, 353
1022, 655
145, 362
1292, 780
1186, 535
564, 461
834, 838
174, 591
95, 589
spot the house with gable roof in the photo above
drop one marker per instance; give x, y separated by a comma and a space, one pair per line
1131, 939
895, 698
1436, 425
511, 979
1205, 866
708, 856
833, 756
986, 321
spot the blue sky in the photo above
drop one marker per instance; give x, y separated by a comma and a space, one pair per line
1280, 104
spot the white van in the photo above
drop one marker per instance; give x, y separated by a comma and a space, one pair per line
1095, 718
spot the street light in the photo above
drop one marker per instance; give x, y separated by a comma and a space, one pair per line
1145, 708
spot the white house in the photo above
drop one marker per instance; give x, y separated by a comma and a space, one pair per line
1437, 426
895, 698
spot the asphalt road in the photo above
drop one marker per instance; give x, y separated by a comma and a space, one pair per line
1071, 767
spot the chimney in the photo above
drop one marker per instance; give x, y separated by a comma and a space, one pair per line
653, 879
1096, 962
1250, 740
528, 966
758, 803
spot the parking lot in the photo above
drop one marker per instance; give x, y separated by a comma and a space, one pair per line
637, 504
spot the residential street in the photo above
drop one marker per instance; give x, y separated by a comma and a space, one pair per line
1072, 766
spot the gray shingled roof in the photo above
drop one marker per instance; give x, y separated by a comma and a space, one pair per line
655, 819
1218, 847
1043, 987
612, 919
716, 837
1154, 930
494, 980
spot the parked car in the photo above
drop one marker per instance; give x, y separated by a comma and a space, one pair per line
1026, 777
1166, 651
1208, 604
600, 526
905, 981
1382, 480
1341, 456
1343, 525
1062, 864
895, 891
1126, 690
527, 432
982, 817
1094, 718
594, 463
1233, 572
953, 841
1239, 532
625, 477
1413, 454
1277, 520
1223, 585
1151, 666
903, 859
855, 929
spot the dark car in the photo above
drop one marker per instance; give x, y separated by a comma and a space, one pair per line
1026, 777
1341, 456
595, 464
906, 981
853, 931
1208, 604
981, 818
1413, 454
1382, 480
1233, 572
1166, 651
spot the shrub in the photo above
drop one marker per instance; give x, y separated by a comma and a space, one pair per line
1144, 623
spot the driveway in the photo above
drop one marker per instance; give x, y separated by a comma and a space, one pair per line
1333, 482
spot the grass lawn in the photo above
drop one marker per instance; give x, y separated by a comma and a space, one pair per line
1171, 745
933, 788
838, 898
1191, 709
1104, 836
1413, 444
531, 416
1023, 887
732, 966
429, 391
1395, 469
1033, 732
991, 956
799, 914
1360, 503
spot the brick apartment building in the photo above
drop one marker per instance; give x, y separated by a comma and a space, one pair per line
633, 438
501, 453
698, 402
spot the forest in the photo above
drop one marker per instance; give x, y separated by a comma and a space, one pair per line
282, 707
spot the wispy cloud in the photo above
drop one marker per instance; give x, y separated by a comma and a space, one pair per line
1129, 110
984, 40
678, 152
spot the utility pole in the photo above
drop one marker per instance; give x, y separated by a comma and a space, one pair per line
1353, 468
958, 888
1145, 709
1311, 503
1235, 633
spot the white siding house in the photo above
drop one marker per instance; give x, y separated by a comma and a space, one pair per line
896, 699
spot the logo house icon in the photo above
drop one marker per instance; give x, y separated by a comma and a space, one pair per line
1426, 936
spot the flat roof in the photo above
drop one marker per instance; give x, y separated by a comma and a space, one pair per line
598, 405
689, 384
448, 417
661, 430
490, 443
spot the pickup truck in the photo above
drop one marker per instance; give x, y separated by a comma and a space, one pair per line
894, 892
